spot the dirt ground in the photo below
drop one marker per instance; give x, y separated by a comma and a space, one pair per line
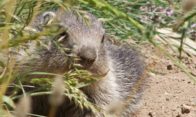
169, 92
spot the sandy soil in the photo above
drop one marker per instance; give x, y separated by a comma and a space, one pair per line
167, 96
169, 91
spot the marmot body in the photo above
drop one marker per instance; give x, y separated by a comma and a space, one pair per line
117, 93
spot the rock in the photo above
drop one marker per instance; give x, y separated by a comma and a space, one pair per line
178, 115
185, 109
169, 67
150, 114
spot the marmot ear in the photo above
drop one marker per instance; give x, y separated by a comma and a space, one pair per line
48, 17
103, 39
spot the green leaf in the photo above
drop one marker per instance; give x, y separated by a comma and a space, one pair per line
44, 73
8, 101
40, 81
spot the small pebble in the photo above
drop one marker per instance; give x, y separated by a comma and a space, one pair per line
150, 114
178, 115
169, 67
167, 99
185, 109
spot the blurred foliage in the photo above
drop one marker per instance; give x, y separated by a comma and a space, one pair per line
150, 14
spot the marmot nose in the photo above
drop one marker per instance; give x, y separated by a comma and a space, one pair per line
87, 56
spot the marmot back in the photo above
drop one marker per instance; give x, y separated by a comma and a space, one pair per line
116, 93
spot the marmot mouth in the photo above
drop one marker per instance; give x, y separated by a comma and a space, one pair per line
98, 75
86, 63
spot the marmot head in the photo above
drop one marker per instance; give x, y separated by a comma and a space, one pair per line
82, 36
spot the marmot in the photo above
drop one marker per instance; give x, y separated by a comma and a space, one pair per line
118, 92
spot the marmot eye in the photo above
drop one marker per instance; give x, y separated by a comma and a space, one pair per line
62, 37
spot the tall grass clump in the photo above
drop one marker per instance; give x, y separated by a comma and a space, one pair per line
15, 16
